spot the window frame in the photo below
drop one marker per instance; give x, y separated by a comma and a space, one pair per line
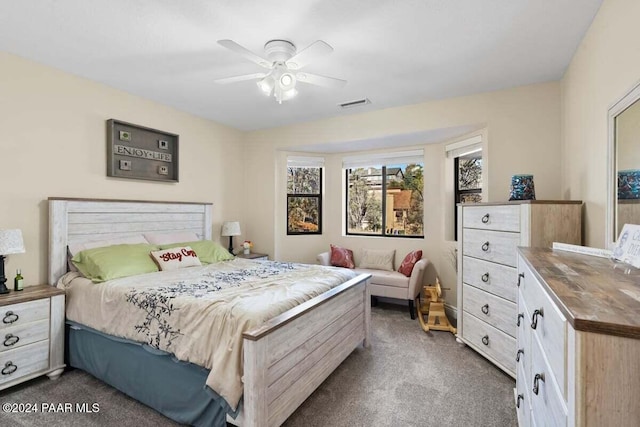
457, 192
384, 208
307, 195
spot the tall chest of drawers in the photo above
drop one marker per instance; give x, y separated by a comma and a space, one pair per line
578, 341
31, 334
488, 237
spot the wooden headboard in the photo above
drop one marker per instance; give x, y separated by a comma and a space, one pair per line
83, 220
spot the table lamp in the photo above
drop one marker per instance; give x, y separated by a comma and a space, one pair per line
231, 228
10, 243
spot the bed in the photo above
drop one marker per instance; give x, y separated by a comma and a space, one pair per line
284, 359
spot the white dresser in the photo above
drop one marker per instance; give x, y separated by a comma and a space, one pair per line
578, 341
31, 334
488, 236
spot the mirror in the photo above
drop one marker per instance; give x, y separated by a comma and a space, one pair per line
623, 205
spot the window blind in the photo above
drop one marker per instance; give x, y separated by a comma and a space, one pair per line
464, 147
305, 162
383, 159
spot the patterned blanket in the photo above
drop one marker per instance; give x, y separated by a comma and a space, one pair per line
199, 313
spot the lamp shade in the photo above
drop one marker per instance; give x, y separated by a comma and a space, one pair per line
231, 228
11, 242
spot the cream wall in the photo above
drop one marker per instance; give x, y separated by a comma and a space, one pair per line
522, 128
605, 66
53, 143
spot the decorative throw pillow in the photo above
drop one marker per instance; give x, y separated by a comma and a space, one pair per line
341, 257
409, 262
378, 259
170, 238
175, 258
112, 262
208, 251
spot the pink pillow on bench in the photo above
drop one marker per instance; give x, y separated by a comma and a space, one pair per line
409, 262
341, 257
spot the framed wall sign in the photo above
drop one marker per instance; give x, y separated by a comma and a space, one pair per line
139, 152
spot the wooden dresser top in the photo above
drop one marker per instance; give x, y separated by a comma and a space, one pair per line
594, 294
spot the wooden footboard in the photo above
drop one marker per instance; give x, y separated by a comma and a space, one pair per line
291, 355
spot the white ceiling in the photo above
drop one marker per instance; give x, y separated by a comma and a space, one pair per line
392, 52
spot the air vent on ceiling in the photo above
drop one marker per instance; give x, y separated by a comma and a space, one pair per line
355, 103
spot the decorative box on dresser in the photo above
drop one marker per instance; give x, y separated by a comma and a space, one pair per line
32, 334
488, 237
578, 341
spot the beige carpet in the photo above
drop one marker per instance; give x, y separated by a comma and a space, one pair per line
407, 378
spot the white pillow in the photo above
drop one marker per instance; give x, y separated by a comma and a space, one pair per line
129, 240
175, 258
169, 238
380, 259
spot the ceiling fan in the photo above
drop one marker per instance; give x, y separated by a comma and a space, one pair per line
283, 62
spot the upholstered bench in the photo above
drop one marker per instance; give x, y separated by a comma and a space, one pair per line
391, 284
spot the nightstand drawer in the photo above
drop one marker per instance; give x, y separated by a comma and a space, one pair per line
546, 400
496, 311
26, 312
502, 218
23, 361
21, 335
495, 343
494, 246
495, 278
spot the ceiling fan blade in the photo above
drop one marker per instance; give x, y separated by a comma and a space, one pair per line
231, 45
315, 50
235, 79
318, 80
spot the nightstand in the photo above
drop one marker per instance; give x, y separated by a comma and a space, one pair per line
32, 334
254, 256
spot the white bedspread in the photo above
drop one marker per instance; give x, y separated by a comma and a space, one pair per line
199, 313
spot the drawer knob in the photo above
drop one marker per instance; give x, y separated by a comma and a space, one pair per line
520, 397
485, 340
518, 354
520, 276
10, 317
536, 382
485, 219
9, 368
10, 340
520, 316
485, 309
534, 318
485, 277
485, 246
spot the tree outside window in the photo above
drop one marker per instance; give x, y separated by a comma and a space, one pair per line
304, 200
468, 181
385, 200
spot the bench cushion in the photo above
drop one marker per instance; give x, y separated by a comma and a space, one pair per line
387, 278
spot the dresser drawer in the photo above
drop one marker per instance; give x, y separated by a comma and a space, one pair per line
495, 278
501, 218
523, 339
523, 399
24, 334
26, 312
494, 246
24, 361
549, 408
548, 326
495, 343
496, 311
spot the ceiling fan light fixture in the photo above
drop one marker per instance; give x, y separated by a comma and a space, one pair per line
266, 85
287, 81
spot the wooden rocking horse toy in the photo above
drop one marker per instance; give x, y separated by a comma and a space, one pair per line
433, 306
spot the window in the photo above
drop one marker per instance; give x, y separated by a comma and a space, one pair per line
387, 199
304, 195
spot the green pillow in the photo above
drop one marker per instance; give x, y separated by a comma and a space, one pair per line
208, 251
112, 262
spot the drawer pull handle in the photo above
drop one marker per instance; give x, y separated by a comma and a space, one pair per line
485, 309
485, 246
10, 317
520, 316
520, 352
534, 318
520, 397
10, 340
485, 277
485, 219
485, 340
520, 276
536, 383
9, 368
